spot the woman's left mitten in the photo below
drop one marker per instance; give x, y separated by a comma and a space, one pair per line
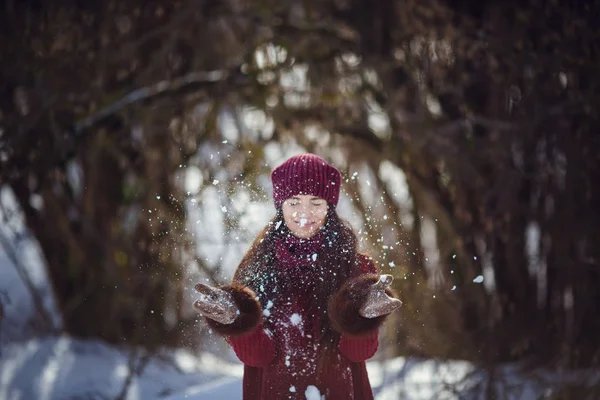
378, 302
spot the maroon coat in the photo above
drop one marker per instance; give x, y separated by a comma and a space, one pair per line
280, 362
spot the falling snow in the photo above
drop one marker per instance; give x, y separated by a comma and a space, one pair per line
479, 279
295, 319
267, 310
312, 393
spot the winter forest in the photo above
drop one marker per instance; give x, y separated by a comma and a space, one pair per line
136, 142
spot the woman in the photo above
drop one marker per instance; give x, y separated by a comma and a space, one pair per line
304, 308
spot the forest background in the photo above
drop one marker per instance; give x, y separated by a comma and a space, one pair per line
136, 139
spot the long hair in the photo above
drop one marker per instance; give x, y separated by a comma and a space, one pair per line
258, 270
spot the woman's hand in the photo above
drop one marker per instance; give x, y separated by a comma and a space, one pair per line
216, 304
378, 303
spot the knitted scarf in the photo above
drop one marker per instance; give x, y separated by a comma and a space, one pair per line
298, 261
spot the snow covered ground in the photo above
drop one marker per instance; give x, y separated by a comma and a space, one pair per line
62, 368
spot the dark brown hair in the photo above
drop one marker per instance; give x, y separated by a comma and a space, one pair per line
258, 269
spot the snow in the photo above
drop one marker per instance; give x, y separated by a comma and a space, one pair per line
312, 393
295, 319
267, 310
64, 368
56, 368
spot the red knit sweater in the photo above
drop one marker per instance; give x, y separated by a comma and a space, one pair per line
281, 363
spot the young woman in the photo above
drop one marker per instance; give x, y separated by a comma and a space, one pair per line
304, 307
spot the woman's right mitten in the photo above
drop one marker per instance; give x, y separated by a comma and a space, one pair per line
216, 304
229, 310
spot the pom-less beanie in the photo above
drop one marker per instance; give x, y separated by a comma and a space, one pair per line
306, 174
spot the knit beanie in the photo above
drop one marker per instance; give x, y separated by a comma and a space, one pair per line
306, 174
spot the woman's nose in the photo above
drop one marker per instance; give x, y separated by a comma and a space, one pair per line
305, 211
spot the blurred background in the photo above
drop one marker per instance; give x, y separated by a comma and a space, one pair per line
136, 142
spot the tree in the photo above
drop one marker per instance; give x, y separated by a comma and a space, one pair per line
486, 109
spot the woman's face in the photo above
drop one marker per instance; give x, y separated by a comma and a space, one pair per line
304, 215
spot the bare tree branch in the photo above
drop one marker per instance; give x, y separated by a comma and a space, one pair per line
145, 93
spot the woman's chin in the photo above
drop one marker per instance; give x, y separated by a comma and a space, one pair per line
304, 234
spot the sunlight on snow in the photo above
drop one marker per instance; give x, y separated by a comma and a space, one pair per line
9, 372
60, 360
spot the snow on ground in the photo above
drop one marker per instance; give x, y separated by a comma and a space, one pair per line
61, 368
64, 368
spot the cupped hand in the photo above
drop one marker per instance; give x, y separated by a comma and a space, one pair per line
216, 304
378, 303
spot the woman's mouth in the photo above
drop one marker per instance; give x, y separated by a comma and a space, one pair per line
304, 223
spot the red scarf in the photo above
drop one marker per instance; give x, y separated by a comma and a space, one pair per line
298, 261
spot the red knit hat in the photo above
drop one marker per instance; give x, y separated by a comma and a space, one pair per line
306, 174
